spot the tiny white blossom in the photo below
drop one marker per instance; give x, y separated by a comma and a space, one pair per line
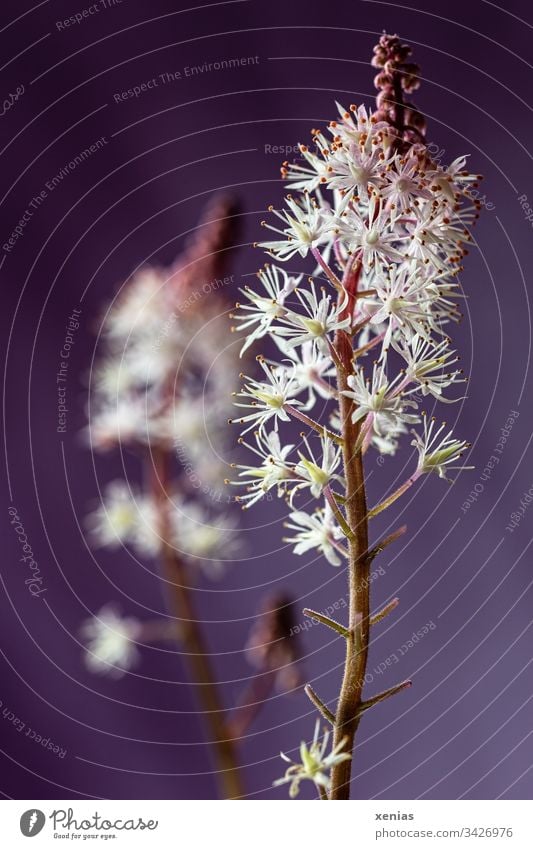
275, 470
354, 171
436, 453
315, 765
452, 181
369, 233
426, 362
315, 474
310, 369
405, 302
118, 421
152, 356
262, 310
403, 184
435, 240
387, 441
358, 126
308, 177
378, 403
316, 530
267, 399
112, 377
206, 540
322, 318
305, 228
110, 639
125, 517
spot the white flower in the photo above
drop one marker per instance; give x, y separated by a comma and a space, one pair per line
305, 228
125, 517
310, 369
377, 401
121, 421
113, 377
184, 424
315, 765
358, 126
387, 441
263, 311
370, 234
202, 538
317, 530
274, 471
152, 357
304, 178
452, 181
434, 240
426, 362
267, 399
354, 171
405, 302
316, 476
111, 647
436, 453
322, 319
404, 184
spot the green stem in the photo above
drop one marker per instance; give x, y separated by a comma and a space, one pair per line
297, 414
392, 498
337, 512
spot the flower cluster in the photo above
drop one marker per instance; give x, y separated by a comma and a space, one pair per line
364, 340
163, 378
161, 390
127, 517
388, 228
111, 642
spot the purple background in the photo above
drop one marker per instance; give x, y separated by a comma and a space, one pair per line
464, 729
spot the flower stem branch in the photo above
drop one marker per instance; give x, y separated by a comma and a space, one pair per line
381, 614
297, 414
319, 704
386, 694
386, 541
325, 620
330, 274
392, 498
337, 512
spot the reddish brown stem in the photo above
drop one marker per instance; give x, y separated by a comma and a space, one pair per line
193, 641
347, 714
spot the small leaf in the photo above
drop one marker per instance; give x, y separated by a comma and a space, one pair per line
382, 544
325, 620
364, 706
381, 614
319, 704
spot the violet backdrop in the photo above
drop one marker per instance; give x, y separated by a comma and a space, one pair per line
464, 728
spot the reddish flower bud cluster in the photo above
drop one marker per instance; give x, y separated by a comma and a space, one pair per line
396, 78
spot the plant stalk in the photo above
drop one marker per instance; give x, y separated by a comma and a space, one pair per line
347, 716
193, 642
